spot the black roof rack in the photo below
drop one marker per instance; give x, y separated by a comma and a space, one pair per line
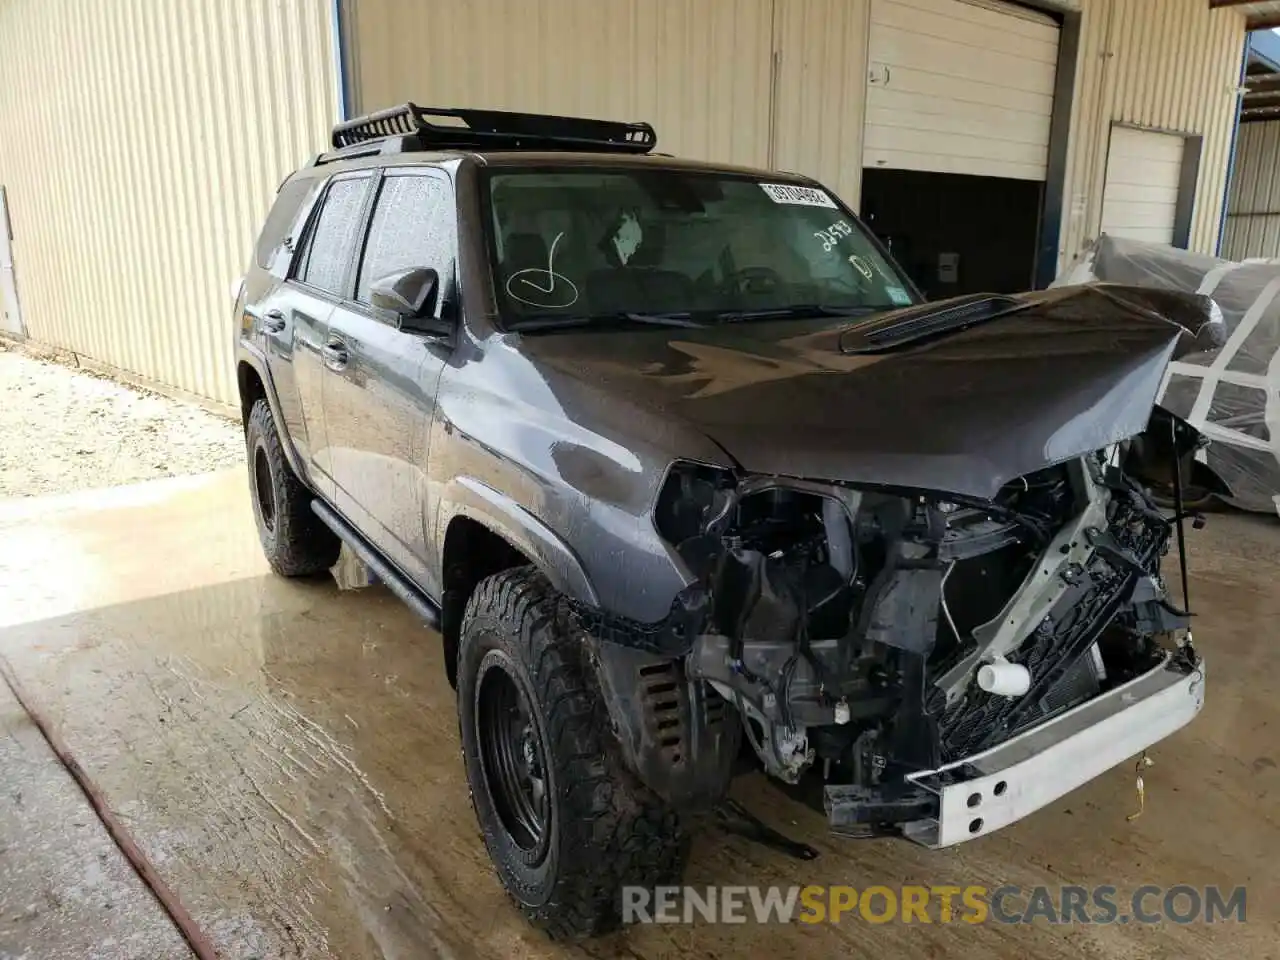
410, 127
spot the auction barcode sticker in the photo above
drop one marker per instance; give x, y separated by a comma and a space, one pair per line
793, 193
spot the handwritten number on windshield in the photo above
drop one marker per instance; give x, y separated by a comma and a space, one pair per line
833, 234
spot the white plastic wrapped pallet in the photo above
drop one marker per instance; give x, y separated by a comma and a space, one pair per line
1232, 395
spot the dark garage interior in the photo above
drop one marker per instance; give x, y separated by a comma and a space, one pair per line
954, 233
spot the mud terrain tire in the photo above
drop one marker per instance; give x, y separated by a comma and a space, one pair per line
296, 542
601, 829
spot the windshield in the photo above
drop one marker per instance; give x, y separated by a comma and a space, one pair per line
582, 245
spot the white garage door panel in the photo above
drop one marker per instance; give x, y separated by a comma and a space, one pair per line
975, 26
911, 50
1143, 216
1140, 200
1156, 193
919, 92
949, 163
1006, 17
959, 87
993, 124
967, 145
1130, 146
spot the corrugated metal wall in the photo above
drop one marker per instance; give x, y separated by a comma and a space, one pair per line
821, 91
141, 142
704, 72
1253, 211
699, 70
1172, 65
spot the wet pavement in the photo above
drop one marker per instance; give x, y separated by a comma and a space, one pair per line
66, 891
287, 755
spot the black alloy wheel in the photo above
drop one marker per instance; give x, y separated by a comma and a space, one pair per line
513, 758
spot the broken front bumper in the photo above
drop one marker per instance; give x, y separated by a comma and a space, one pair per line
989, 790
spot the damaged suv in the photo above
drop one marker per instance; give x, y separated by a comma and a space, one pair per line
684, 471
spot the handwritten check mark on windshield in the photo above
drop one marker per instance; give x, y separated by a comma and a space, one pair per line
551, 269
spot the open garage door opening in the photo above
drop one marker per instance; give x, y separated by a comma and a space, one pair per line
960, 101
955, 233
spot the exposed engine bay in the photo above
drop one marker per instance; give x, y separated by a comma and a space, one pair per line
868, 634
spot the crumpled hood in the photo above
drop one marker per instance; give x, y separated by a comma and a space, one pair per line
964, 412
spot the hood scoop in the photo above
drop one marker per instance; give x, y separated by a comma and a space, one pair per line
906, 326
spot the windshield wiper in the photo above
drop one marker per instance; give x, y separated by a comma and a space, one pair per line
797, 311
554, 321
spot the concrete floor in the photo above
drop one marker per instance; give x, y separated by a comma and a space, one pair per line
287, 755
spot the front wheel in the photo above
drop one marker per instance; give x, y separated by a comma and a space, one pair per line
566, 825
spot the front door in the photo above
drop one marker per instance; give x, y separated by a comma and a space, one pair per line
380, 383
10, 315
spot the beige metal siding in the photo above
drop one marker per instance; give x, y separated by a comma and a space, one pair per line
1172, 65
141, 142
1253, 214
699, 70
1140, 200
704, 72
822, 66
960, 87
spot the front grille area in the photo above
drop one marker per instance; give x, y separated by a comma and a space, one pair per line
1056, 659
1059, 654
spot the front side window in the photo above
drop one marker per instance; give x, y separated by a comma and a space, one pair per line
588, 243
333, 238
410, 228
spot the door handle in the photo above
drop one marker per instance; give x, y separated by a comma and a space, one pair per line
273, 321
335, 355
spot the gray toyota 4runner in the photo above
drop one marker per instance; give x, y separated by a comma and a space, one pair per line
689, 479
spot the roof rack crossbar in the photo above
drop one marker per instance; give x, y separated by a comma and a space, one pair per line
494, 130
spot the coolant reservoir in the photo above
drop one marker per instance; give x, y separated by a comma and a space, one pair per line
1004, 679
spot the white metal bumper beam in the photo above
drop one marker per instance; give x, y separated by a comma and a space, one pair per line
987, 791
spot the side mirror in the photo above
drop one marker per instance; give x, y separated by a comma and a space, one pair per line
410, 296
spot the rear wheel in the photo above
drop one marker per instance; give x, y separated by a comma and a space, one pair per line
294, 539
566, 825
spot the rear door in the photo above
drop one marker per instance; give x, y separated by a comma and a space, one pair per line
296, 317
380, 383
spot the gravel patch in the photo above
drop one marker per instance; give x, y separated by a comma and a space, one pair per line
63, 430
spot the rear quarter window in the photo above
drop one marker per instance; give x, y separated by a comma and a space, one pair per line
293, 196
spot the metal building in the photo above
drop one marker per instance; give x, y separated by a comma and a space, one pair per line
141, 142
1042, 111
985, 140
1253, 209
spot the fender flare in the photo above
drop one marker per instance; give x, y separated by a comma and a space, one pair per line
249, 354
468, 497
